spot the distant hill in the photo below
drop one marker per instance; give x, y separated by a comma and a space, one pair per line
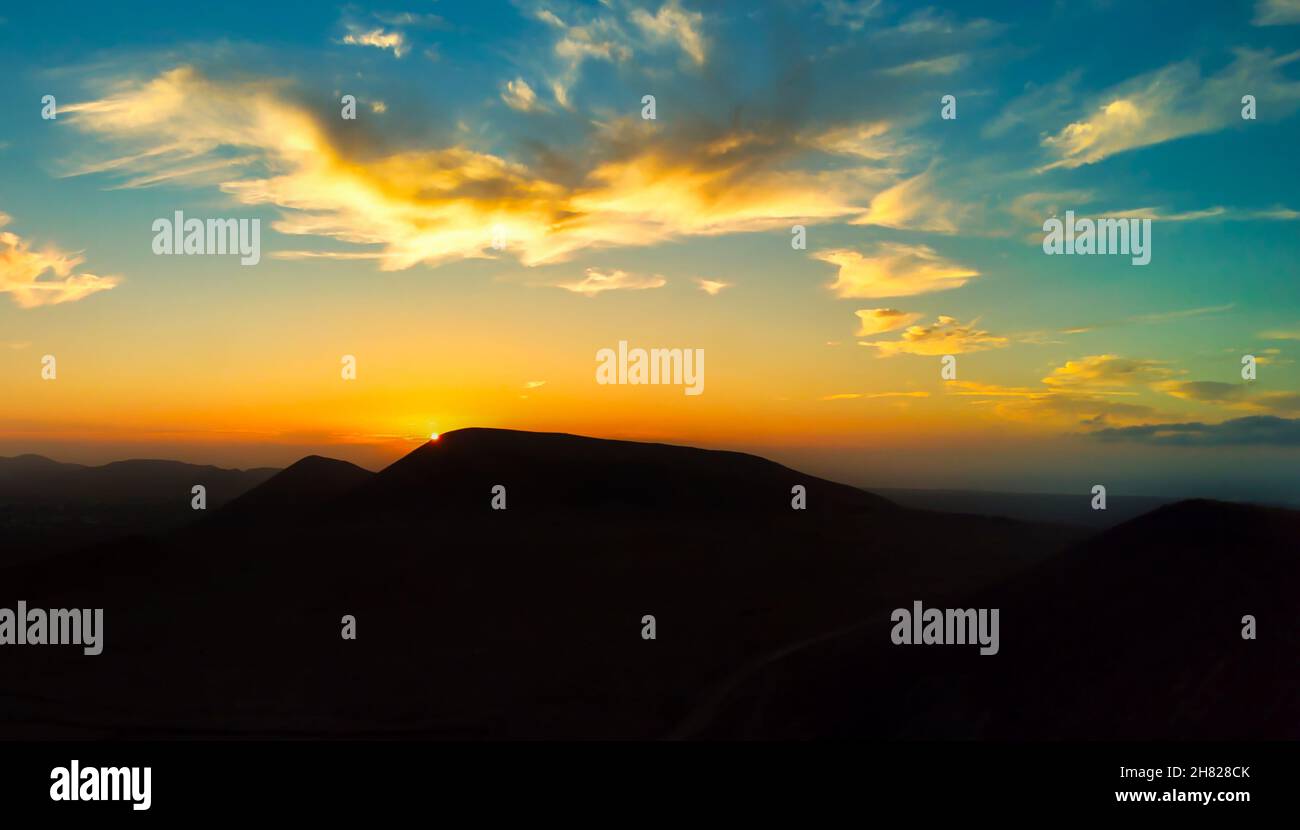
47, 506
304, 485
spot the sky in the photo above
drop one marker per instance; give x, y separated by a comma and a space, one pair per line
500, 209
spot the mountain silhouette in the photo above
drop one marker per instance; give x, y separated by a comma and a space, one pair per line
305, 485
557, 471
47, 507
530, 621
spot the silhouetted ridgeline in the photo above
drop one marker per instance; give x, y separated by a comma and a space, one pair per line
527, 622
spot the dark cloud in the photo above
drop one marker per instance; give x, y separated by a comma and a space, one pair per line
1255, 430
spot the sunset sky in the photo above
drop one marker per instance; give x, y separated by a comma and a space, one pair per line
923, 234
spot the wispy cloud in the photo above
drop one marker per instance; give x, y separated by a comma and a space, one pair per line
378, 38
893, 269
596, 282
880, 320
913, 204
1172, 103
1252, 430
711, 287
520, 96
1277, 12
44, 277
945, 336
675, 24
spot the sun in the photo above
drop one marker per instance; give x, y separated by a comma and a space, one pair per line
433, 436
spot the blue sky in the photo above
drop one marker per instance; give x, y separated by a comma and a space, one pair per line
528, 115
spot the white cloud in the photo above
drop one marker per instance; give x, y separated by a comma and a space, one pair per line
596, 282
672, 23
378, 38
1277, 12
1172, 103
520, 96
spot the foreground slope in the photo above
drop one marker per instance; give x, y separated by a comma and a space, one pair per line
1134, 634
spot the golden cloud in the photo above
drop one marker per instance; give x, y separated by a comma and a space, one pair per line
894, 270
912, 204
880, 320
596, 282
946, 336
639, 185
45, 277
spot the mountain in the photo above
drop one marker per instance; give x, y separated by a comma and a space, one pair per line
303, 486
35, 480
47, 506
530, 622
1135, 634
555, 471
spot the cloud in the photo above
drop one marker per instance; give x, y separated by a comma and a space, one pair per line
946, 336
1277, 12
893, 270
672, 23
945, 65
534, 384
1252, 430
1172, 103
1234, 395
711, 287
1280, 334
1093, 391
597, 281
880, 320
1105, 372
599, 38
865, 140
629, 184
852, 14
378, 38
45, 277
912, 204
411, 19
520, 96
